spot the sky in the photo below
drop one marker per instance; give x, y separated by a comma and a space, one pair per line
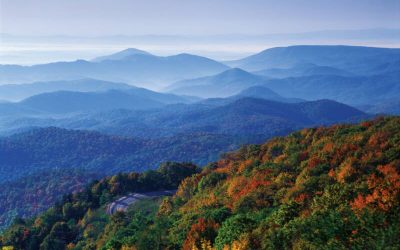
193, 17
24, 19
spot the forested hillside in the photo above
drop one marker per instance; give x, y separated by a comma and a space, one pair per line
30, 195
323, 188
39, 166
59, 225
53, 148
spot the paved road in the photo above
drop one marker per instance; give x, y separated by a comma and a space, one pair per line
124, 202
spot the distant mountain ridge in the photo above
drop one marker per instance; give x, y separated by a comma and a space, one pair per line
355, 59
355, 90
121, 55
307, 69
17, 92
170, 131
389, 106
266, 93
224, 84
141, 69
64, 102
240, 117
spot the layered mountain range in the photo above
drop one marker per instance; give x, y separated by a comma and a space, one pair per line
103, 116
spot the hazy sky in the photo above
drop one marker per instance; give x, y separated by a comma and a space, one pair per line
188, 17
34, 31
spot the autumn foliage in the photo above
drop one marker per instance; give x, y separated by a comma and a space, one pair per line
201, 232
342, 182
332, 187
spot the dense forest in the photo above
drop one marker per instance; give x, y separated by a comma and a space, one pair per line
30, 195
332, 187
60, 225
52, 148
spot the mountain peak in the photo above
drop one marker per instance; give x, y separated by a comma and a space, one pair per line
132, 51
236, 73
121, 54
